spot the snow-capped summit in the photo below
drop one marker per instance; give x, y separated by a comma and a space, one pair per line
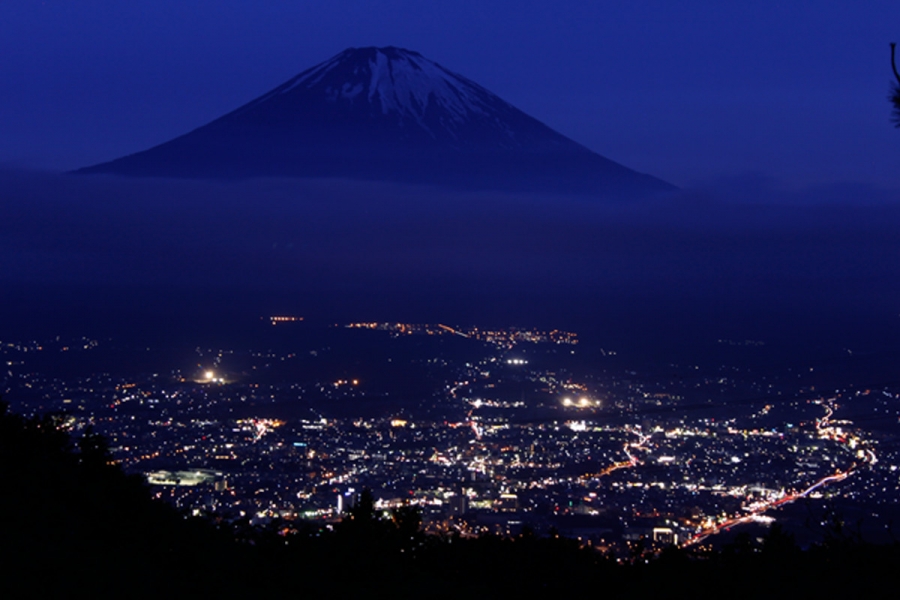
400, 86
396, 80
386, 114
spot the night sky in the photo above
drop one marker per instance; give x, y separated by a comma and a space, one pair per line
791, 94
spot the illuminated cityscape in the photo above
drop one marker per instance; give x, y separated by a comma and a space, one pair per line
483, 430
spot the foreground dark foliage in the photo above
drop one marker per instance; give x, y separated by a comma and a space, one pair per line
894, 96
75, 524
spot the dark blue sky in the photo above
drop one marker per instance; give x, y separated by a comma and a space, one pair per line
691, 91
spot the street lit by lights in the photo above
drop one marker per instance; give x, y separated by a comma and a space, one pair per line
275, 320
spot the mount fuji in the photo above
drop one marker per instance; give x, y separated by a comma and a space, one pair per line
386, 114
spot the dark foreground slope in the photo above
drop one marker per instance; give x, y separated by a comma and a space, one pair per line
387, 114
73, 524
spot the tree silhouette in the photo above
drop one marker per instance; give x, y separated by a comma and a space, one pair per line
779, 545
407, 520
362, 516
895, 88
93, 450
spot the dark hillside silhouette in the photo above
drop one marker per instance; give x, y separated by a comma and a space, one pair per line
73, 520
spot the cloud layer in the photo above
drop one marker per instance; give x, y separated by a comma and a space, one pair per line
737, 259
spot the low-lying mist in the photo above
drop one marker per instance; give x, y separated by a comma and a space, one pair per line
89, 255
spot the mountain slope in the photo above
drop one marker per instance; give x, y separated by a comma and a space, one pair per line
386, 114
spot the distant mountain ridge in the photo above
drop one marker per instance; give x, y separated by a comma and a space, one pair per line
386, 114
